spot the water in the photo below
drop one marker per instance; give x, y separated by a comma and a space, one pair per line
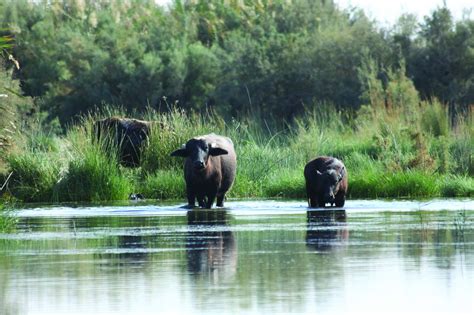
252, 257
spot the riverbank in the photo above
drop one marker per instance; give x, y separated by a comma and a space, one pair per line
387, 153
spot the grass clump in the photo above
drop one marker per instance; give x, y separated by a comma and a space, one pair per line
93, 176
457, 186
93, 173
34, 176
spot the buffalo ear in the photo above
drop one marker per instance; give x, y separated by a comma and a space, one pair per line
182, 152
217, 151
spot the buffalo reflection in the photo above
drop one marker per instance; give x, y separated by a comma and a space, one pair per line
326, 229
210, 244
127, 246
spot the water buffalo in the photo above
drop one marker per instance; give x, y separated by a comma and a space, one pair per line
128, 135
326, 182
209, 169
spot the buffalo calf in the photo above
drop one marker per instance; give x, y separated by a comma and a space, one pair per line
209, 169
326, 182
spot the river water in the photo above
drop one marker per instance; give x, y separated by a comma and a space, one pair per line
253, 257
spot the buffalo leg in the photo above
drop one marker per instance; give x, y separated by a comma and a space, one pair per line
202, 201
220, 200
313, 202
340, 199
191, 199
210, 200
321, 202
311, 199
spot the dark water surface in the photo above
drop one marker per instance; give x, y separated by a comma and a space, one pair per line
263, 257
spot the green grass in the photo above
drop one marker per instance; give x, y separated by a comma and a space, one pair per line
383, 156
7, 216
286, 184
34, 176
457, 186
93, 173
164, 184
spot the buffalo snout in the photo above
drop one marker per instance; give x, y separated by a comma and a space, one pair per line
329, 197
199, 165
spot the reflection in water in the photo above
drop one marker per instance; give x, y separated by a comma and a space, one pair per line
210, 244
128, 246
326, 229
135, 246
289, 261
8, 304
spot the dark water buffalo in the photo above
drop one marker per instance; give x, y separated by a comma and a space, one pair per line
326, 182
128, 135
209, 169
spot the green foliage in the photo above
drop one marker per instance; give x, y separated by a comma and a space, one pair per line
255, 164
462, 146
409, 184
7, 216
441, 60
435, 119
235, 57
13, 109
93, 176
